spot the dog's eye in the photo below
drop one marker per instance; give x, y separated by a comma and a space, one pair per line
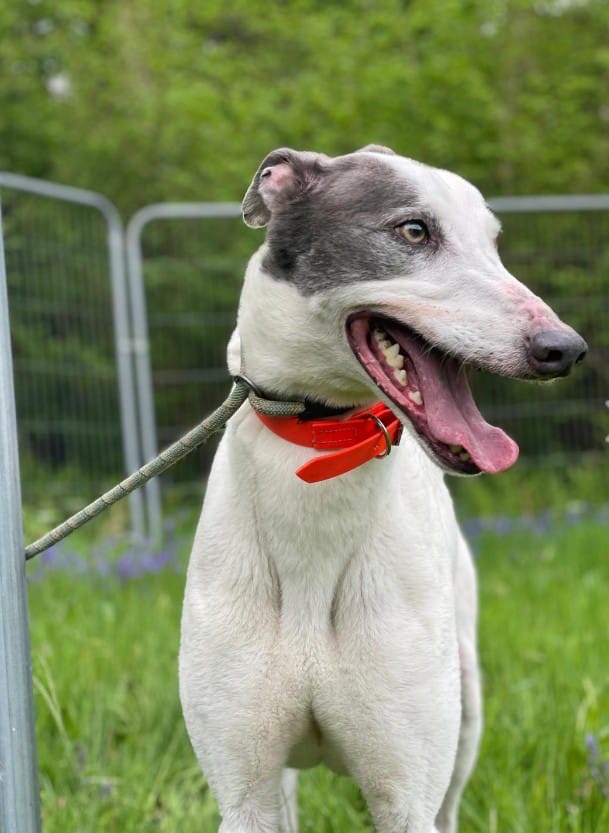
414, 231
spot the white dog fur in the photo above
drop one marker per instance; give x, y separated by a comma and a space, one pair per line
336, 622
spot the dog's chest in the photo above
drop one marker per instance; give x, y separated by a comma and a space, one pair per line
370, 540
319, 597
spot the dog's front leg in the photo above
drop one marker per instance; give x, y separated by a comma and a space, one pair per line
394, 713
241, 716
394, 811
242, 704
258, 814
261, 813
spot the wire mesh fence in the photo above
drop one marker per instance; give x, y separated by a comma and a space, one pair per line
193, 270
71, 414
73, 440
563, 255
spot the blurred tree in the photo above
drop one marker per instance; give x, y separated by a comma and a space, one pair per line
175, 100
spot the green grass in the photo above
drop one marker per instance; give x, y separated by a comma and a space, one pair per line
113, 751
529, 488
545, 655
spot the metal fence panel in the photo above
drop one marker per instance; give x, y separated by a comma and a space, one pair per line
192, 260
167, 293
72, 350
186, 264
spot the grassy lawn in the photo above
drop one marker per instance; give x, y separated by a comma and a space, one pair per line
113, 751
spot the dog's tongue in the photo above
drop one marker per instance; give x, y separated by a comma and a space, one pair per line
451, 412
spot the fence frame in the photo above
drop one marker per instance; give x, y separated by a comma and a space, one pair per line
555, 204
220, 210
120, 314
140, 332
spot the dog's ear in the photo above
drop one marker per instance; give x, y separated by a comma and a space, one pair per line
377, 149
283, 174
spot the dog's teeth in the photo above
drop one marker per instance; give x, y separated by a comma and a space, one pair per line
396, 361
401, 376
456, 448
391, 352
415, 397
464, 456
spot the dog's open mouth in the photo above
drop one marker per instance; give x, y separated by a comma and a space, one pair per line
432, 390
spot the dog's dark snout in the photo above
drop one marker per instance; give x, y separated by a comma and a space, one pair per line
555, 352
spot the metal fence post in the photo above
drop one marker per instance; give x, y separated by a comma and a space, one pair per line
19, 801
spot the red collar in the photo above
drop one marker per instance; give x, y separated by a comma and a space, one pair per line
359, 437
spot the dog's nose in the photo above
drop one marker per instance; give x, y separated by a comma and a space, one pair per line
555, 352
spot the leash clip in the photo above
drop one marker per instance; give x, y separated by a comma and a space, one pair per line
241, 377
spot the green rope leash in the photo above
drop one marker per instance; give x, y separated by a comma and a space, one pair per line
166, 459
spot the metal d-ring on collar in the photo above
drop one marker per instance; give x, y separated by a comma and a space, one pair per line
382, 427
241, 377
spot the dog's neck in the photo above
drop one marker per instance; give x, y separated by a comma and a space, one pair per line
287, 351
309, 518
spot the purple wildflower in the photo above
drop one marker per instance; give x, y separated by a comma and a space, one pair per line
599, 769
127, 566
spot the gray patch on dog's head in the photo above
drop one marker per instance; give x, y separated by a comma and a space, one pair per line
334, 222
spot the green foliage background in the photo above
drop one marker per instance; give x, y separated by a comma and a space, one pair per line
171, 99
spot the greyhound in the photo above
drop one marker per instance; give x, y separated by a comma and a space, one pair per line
330, 606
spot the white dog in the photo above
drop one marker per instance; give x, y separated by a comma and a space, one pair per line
334, 621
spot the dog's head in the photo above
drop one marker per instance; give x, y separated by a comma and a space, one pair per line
380, 277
